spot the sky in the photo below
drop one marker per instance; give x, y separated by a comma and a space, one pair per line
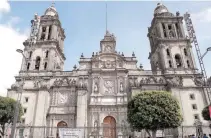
85, 24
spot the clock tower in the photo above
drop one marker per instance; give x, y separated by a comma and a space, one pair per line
108, 43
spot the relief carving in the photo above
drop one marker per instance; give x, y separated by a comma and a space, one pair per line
63, 98
198, 81
109, 87
175, 82
64, 82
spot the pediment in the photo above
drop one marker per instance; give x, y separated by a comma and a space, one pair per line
111, 60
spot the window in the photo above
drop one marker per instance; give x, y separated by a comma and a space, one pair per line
170, 64
43, 29
24, 110
192, 96
167, 52
30, 54
164, 30
178, 60
28, 66
23, 120
185, 52
21, 133
45, 66
26, 99
194, 106
196, 116
49, 32
46, 54
188, 63
169, 27
37, 63
42, 36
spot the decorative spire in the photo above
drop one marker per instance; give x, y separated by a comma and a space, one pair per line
122, 54
141, 66
133, 54
82, 55
75, 67
106, 19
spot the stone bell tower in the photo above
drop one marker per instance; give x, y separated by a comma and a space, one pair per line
170, 49
44, 49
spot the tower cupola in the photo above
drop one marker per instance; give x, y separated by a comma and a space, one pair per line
51, 11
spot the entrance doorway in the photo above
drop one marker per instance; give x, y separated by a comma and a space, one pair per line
61, 124
109, 127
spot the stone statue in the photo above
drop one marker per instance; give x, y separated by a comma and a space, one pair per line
198, 82
121, 87
95, 87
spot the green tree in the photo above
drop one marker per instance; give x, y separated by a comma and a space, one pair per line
152, 111
206, 113
7, 110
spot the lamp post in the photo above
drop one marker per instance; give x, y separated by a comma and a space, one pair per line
208, 49
20, 90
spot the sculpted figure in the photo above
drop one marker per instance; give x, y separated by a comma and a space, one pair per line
121, 87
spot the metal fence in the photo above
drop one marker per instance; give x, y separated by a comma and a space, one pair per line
103, 132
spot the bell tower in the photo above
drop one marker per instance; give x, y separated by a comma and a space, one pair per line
44, 49
170, 49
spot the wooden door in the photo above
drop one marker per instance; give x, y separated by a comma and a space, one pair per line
109, 127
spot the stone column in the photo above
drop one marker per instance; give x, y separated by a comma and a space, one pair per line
46, 34
40, 32
175, 30
53, 32
160, 28
181, 29
81, 108
167, 30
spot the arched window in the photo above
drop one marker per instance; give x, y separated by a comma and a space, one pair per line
188, 63
185, 52
46, 54
178, 61
37, 63
167, 52
45, 66
28, 66
170, 64
30, 54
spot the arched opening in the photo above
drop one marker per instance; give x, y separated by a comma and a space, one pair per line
167, 52
188, 63
185, 52
61, 124
170, 64
30, 54
45, 66
178, 60
46, 54
109, 127
37, 63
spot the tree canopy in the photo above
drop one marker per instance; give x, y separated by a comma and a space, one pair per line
7, 110
154, 110
206, 113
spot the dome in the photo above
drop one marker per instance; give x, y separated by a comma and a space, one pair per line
160, 9
51, 11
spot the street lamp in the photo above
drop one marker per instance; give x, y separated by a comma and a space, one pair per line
208, 49
16, 114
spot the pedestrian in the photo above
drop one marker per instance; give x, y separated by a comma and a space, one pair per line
205, 136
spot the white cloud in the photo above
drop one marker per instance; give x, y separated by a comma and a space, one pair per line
11, 39
203, 16
4, 7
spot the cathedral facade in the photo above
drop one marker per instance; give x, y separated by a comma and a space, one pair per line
95, 94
